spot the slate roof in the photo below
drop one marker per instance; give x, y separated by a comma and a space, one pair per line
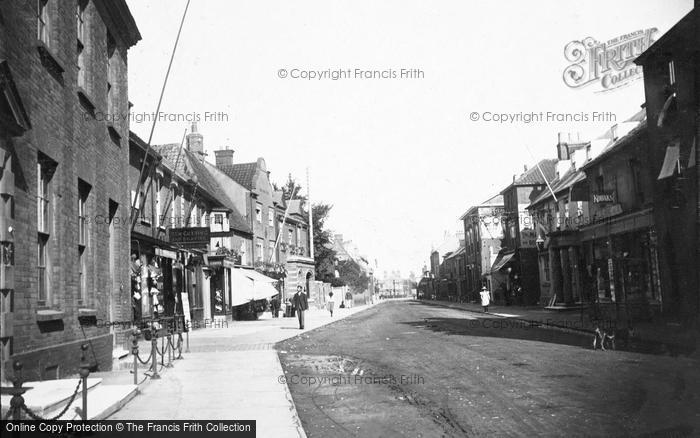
533, 176
187, 166
278, 197
242, 173
568, 180
621, 142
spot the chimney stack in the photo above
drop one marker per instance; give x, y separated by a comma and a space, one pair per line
195, 141
224, 157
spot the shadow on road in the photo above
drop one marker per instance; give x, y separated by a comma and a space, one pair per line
513, 328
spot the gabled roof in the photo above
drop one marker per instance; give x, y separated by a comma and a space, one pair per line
189, 166
494, 201
278, 198
683, 34
295, 207
533, 176
242, 173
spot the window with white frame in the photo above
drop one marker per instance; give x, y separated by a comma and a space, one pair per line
290, 236
43, 22
183, 215
81, 28
258, 212
158, 186
271, 217
204, 219
273, 253
259, 250
111, 47
83, 193
173, 205
42, 270
194, 216
82, 277
43, 197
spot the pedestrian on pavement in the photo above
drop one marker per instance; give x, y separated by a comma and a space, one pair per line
485, 298
275, 306
300, 303
331, 303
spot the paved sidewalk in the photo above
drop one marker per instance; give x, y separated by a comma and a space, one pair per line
231, 373
658, 336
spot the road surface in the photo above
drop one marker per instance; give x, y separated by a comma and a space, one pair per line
411, 368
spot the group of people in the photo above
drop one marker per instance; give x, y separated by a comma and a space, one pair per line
300, 304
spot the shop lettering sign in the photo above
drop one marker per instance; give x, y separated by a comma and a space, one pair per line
603, 197
190, 237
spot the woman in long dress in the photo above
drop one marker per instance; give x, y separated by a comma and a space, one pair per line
331, 302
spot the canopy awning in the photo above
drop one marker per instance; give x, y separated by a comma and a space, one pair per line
256, 276
262, 287
501, 261
242, 288
670, 161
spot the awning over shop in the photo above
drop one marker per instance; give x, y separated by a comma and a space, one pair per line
249, 285
262, 285
242, 288
670, 161
501, 261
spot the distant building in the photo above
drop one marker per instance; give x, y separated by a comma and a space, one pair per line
483, 233
281, 244
518, 256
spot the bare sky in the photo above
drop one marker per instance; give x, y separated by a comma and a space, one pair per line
399, 159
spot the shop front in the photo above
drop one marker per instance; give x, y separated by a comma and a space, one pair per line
621, 267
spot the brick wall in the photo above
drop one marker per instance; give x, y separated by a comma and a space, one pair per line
75, 137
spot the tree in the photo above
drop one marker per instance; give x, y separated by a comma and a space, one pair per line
291, 190
323, 249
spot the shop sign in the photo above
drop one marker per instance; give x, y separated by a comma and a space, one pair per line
528, 238
191, 237
603, 197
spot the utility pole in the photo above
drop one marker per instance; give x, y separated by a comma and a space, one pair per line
311, 216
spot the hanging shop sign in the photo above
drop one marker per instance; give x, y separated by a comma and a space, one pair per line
191, 237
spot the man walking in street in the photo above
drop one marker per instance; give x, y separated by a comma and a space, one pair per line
485, 298
300, 303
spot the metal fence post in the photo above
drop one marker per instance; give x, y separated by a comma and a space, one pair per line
154, 353
84, 373
135, 353
16, 391
170, 351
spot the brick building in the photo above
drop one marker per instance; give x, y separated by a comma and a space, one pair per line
65, 246
269, 218
518, 256
482, 237
180, 197
672, 90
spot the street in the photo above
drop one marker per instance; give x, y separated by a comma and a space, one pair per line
412, 368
